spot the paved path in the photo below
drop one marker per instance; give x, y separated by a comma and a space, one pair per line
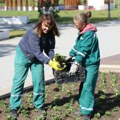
108, 33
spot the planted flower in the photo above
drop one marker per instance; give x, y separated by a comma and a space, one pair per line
63, 75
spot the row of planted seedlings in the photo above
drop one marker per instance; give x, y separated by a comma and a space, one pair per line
63, 105
61, 100
108, 95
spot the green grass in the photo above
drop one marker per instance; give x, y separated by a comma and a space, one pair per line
17, 33
61, 1
64, 16
33, 15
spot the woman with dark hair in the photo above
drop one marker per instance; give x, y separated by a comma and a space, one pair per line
34, 50
86, 53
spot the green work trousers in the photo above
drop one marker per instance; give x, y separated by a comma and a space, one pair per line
21, 67
87, 89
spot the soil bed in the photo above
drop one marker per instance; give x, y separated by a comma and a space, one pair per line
61, 101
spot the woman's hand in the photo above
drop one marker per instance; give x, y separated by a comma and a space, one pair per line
56, 65
73, 69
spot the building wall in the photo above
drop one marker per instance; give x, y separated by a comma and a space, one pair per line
102, 5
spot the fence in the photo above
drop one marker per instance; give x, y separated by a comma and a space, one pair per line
36, 4
71, 3
20, 4
27, 4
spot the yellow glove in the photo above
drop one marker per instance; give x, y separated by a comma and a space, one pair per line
61, 67
55, 65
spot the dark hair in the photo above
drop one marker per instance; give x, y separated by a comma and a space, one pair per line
83, 17
50, 20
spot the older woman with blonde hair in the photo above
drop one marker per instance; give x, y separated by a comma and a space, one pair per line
86, 53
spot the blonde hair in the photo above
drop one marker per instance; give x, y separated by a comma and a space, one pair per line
50, 20
83, 17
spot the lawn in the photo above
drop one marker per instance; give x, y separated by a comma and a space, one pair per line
64, 17
61, 101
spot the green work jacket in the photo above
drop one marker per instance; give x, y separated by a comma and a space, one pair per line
86, 49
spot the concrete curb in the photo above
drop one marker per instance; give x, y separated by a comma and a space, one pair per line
29, 88
110, 68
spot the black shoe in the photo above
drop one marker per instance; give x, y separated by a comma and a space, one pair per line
13, 113
86, 117
41, 110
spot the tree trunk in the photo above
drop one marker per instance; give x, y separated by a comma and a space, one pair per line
32, 4
71, 3
7, 4
26, 4
20, 4
15, 4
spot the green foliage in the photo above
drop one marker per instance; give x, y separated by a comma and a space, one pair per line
103, 81
61, 59
24, 110
61, 1
108, 113
97, 115
114, 84
42, 116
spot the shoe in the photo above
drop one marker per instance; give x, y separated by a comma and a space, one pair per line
86, 117
13, 113
41, 110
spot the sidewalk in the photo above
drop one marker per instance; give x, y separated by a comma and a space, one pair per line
108, 34
110, 64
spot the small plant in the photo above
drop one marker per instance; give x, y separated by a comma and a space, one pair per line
41, 117
64, 74
24, 111
29, 99
114, 84
103, 81
61, 59
57, 108
108, 113
57, 96
97, 115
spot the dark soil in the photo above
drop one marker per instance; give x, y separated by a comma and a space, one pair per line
61, 101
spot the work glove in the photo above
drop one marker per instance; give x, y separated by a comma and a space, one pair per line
55, 65
73, 68
79, 70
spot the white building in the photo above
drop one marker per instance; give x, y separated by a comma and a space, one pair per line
100, 4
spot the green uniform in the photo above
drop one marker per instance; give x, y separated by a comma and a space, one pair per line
86, 52
31, 54
22, 65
